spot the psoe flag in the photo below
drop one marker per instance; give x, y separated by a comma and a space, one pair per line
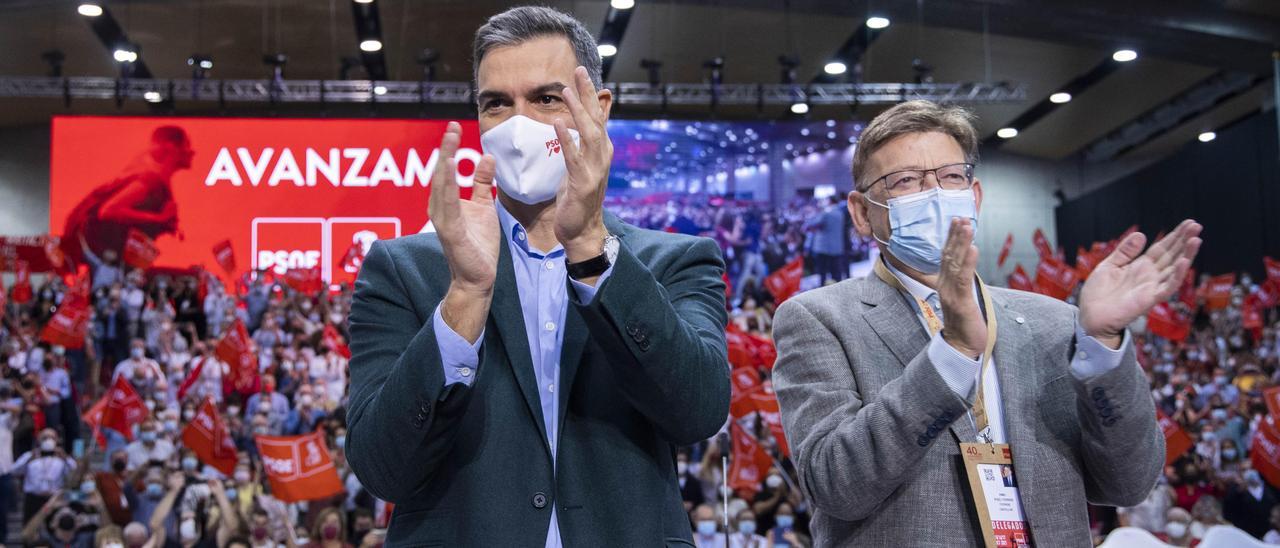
298, 467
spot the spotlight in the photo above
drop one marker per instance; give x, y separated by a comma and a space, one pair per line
200, 64
364, 1
877, 22
831, 135
800, 108
276, 61
831, 123
804, 131
152, 96
89, 9
126, 53
1124, 55
834, 68
1060, 97
1207, 136
1007, 133
607, 50
379, 90
623, 4
371, 45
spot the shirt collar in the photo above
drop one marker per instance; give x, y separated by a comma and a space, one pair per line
519, 237
916, 289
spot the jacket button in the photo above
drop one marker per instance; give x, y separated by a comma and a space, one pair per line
922, 441
539, 500
1099, 393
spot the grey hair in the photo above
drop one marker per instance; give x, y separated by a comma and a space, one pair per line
523, 23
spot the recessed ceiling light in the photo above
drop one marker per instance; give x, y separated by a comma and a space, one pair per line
1007, 133
800, 108
608, 50
371, 45
89, 10
1060, 97
877, 22
1207, 136
1124, 55
835, 67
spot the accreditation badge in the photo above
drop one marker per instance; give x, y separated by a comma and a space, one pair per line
993, 487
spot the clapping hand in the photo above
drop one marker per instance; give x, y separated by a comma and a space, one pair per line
1129, 282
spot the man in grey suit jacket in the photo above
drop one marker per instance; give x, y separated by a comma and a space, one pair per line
523, 376
874, 407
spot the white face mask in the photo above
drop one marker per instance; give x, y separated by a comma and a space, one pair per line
530, 160
1176, 529
187, 530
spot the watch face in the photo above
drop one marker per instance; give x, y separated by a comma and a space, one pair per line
611, 248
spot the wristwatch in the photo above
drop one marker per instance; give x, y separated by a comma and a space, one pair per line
595, 266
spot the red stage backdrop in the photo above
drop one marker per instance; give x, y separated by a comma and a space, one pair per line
286, 193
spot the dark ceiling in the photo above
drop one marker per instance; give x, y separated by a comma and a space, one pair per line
1043, 44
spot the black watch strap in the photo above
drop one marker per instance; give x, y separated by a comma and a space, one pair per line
594, 266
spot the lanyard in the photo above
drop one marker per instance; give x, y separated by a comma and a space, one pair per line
979, 410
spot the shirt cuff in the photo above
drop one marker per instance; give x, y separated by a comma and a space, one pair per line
1094, 358
958, 370
587, 293
458, 356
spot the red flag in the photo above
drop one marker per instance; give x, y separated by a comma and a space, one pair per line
1176, 440
1086, 261
236, 349
4, 298
748, 462
225, 256
1268, 293
1055, 279
1164, 321
1265, 450
140, 250
192, 377
1042, 244
1251, 313
766, 403
333, 341
1273, 268
762, 350
1020, 280
1187, 293
124, 408
304, 280
1004, 250
53, 252
209, 440
728, 287
786, 281
1217, 291
1272, 398
21, 293
69, 324
739, 347
93, 418
743, 382
298, 467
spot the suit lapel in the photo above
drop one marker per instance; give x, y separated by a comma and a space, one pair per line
893, 320
508, 318
1017, 393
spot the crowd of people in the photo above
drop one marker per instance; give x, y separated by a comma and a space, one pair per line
154, 329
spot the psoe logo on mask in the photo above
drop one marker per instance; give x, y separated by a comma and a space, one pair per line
553, 146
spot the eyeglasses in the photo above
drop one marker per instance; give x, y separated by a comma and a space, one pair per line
911, 181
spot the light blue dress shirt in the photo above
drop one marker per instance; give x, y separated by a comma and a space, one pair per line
540, 279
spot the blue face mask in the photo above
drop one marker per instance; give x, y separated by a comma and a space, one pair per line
785, 521
154, 490
747, 527
231, 494
919, 224
706, 528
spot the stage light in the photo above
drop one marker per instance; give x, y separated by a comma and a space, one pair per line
379, 90
1207, 136
125, 54
831, 123
835, 67
623, 4
877, 22
1124, 55
831, 135
364, 1
800, 108
853, 140
804, 131
371, 45
89, 9
1060, 97
607, 50
151, 96
1007, 133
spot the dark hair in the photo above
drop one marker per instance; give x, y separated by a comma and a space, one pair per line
524, 23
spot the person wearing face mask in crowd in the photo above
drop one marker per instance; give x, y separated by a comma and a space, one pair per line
269, 400
44, 470
1206, 513
211, 370
150, 445
142, 372
361, 526
1248, 504
776, 491
745, 533
552, 275
328, 531
1177, 528
784, 534
690, 485
111, 330
55, 383
58, 525
113, 486
706, 528
875, 416
304, 417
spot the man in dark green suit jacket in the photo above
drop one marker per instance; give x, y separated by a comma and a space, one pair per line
523, 376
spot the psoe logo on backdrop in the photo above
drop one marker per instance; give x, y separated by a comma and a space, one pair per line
280, 244
337, 167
